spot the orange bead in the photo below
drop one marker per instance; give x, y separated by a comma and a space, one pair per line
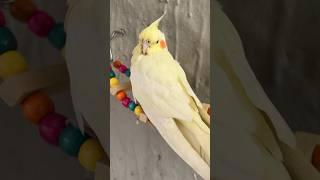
36, 106
316, 157
22, 9
117, 64
121, 95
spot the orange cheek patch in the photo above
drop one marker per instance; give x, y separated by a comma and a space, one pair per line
163, 44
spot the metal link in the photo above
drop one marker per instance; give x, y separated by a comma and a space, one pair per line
116, 34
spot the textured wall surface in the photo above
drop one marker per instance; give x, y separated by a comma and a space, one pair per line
281, 41
137, 151
23, 153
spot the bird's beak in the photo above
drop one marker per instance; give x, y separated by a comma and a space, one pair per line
145, 46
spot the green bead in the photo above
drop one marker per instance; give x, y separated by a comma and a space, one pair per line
7, 40
127, 72
132, 106
112, 74
71, 140
57, 36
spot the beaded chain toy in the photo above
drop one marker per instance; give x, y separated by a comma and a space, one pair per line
38, 21
121, 94
119, 90
37, 107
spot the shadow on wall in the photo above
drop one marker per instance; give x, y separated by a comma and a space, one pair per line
281, 41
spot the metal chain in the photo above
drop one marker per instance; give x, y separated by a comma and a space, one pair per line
115, 34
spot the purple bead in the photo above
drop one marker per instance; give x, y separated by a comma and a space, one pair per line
122, 68
51, 126
2, 19
41, 23
126, 101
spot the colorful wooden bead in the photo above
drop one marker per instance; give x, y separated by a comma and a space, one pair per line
70, 140
121, 95
122, 68
112, 74
316, 157
138, 110
127, 72
7, 40
2, 19
126, 101
132, 106
116, 64
22, 10
51, 126
57, 36
36, 106
12, 63
41, 23
90, 152
114, 82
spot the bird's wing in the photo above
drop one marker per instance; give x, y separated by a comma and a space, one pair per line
195, 100
186, 85
157, 86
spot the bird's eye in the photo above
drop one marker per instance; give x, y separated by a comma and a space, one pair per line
148, 41
157, 41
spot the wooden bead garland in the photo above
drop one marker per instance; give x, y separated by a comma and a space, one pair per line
38, 107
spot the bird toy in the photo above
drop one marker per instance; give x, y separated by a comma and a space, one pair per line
39, 22
119, 90
37, 107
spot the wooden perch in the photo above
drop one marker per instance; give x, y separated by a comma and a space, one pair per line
15, 88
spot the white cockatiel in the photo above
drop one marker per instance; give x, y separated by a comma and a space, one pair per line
160, 86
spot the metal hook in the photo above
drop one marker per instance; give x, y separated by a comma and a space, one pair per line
115, 34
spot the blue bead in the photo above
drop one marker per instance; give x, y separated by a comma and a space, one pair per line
132, 106
127, 72
57, 36
70, 140
7, 40
112, 74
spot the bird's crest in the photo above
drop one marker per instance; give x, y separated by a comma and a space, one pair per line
155, 24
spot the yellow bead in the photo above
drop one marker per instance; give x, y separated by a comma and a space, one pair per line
11, 63
90, 152
114, 82
138, 110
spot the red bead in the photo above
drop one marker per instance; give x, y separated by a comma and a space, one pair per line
316, 157
126, 101
41, 23
123, 68
117, 64
51, 126
2, 19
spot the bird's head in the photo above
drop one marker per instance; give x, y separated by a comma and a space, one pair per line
151, 39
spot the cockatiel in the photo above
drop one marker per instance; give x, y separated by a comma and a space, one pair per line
160, 86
